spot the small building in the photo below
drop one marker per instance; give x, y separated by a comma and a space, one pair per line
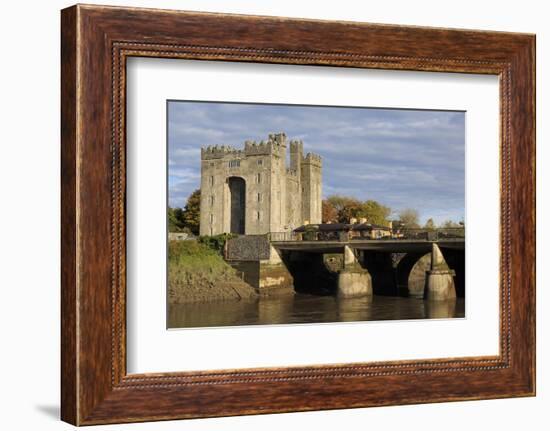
323, 232
370, 231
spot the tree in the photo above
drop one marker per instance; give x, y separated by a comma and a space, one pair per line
178, 213
340, 202
409, 217
450, 223
329, 213
375, 212
430, 224
191, 215
174, 225
348, 207
352, 209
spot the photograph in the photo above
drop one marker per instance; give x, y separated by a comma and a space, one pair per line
304, 214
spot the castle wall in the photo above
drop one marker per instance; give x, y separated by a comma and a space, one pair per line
293, 203
278, 194
213, 193
258, 195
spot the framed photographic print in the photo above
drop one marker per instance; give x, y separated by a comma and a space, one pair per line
258, 208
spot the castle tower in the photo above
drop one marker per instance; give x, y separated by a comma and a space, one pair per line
311, 188
296, 155
251, 191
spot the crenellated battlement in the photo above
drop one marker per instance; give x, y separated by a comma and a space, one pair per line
296, 146
313, 159
219, 152
253, 148
276, 144
278, 138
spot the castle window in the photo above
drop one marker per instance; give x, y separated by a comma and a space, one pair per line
211, 218
259, 178
212, 200
259, 197
258, 215
260, 162
234, 163
212, 180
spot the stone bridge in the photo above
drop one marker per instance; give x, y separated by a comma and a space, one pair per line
431, 269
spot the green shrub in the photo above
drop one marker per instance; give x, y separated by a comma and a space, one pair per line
194, 257
216, 242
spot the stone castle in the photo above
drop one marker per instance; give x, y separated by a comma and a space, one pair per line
252, 190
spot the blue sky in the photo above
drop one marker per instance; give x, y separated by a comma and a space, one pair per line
401, 158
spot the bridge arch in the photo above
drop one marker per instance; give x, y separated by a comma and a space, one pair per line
411, 274
411, 271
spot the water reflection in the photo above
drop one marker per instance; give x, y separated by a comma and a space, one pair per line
302, 308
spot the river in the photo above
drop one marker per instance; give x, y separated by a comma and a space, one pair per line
304, 308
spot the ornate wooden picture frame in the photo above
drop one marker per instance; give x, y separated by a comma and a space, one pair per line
96, 41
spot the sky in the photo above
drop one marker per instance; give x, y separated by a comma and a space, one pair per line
400, 158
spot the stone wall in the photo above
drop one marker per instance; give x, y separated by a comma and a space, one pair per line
249, 271
247, 248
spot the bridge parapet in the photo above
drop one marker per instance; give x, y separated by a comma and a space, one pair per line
247, 248
416, 234
282, 236
431, 234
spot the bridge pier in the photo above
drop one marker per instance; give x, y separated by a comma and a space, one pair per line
353, 280
274, 276
440, 284
260, 264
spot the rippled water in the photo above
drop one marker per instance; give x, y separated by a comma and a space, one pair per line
302, 308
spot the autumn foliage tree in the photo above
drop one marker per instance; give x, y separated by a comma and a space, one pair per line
451, 224
430, 224
329, 212
375, 212
351, 209
409, 217
347, 208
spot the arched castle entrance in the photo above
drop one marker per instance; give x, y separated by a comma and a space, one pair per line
237, 193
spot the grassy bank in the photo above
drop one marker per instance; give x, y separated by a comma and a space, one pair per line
197, 273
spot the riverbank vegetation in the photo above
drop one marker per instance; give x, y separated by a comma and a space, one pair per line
198, 273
